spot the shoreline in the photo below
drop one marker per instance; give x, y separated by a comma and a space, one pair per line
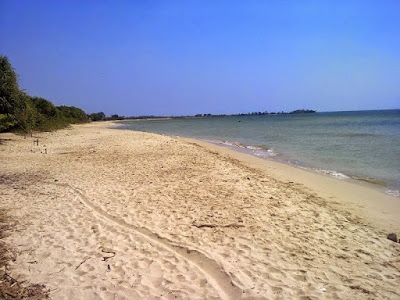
371, 183
383, 209
374, 205
106, 213
388, 185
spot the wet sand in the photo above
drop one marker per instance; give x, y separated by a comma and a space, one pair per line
117, 214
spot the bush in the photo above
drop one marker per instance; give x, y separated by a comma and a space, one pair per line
97, 116
6, 122
73, 114
20, 111
9, 94
44, 107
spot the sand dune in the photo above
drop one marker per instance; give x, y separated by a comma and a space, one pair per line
115, 214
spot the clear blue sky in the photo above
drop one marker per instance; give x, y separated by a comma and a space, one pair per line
187, 57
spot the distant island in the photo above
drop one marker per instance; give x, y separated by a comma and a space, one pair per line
102, 117
303, 111
298, 111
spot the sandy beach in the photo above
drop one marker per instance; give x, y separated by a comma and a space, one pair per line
118, 214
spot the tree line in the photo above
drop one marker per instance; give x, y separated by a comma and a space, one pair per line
22, 112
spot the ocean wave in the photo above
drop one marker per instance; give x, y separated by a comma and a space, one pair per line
260, 151
331, 173
394, 193
334, 174
265, 153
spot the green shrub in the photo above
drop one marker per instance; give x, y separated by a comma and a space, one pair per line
73, 114
9, 94
20, 111
97, 116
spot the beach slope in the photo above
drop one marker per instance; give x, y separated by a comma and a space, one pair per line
118, 214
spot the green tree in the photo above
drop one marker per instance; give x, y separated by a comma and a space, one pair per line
100, 116
9, 94
28, 115
45, 107
18, 110
73, 114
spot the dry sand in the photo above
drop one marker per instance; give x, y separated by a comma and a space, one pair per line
115, 214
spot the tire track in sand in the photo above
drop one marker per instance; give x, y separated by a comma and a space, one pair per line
215, 275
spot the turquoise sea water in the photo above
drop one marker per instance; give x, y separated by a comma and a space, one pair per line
363, 145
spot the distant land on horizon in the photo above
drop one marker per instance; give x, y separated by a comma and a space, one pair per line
102, 117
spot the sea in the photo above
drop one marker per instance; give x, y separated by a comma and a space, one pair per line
354, 145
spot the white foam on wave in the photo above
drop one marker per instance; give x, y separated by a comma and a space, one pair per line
234, 144
394, 193
335, 174
255, 150
330, 173
265, 153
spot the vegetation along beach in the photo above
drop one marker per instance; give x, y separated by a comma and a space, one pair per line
199, 150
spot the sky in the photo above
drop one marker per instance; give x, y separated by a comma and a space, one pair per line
186, 57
